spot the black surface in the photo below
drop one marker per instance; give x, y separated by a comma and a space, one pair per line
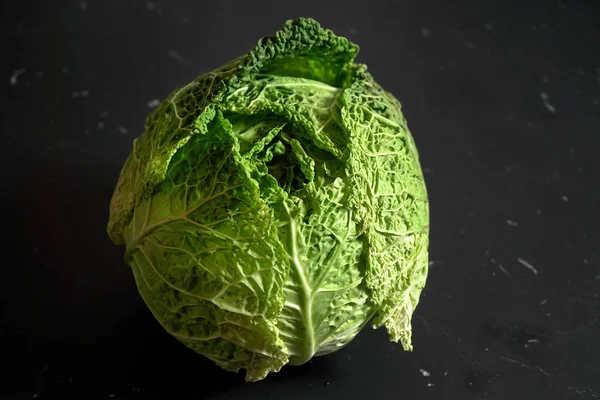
471, 77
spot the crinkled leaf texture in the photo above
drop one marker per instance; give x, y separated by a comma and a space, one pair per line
276, 205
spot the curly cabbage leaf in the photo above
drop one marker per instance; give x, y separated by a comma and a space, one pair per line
275, 206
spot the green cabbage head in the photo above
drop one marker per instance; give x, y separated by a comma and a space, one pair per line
274, 206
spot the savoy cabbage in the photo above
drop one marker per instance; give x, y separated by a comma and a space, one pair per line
274, 206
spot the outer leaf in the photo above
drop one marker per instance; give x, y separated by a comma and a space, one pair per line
206, 258
394, 206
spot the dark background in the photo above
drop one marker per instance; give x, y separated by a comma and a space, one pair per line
503, 98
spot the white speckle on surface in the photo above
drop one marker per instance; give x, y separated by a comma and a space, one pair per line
585, 393
83, 5
488, 26
111, 396
100, 125
545, 96
564, 198
81, 93
513, 361
175, 55
504, 271
512, 223
543, 302
428, 170
500, 266
35, 396
425, 32
14, 78
549, 107
153, 7
446, 373
430, 384
122, 129
527, 265
153, 103
434, 263
424, 372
